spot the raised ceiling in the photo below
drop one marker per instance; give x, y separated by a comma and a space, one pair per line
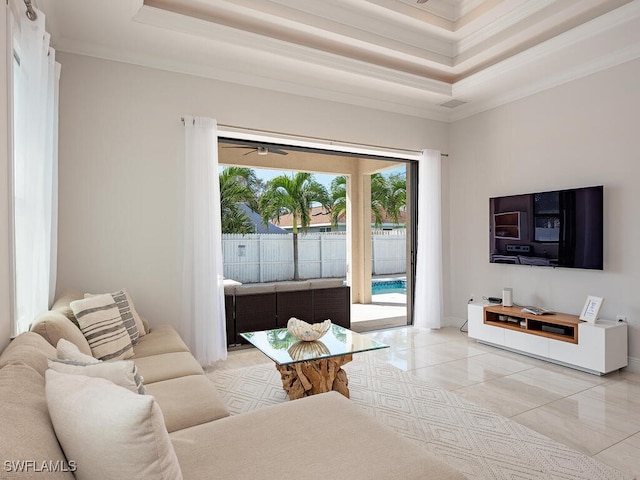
442, 59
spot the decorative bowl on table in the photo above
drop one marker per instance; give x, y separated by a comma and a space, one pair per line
307, 332
308, 350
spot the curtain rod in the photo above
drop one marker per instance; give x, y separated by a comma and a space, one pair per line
31, 13
329, 141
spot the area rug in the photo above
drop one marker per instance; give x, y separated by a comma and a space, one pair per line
479, 443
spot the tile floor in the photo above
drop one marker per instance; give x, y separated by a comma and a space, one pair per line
599, 416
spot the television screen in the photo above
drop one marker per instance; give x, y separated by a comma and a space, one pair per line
562, 228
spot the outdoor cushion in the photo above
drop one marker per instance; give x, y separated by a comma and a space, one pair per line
326, 282
292, 286
255, 288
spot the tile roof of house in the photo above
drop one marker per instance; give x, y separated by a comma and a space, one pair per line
320, 216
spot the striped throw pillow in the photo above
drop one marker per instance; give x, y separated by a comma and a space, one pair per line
128, 313
102, 326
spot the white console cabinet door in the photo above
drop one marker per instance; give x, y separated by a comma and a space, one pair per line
602, 347
527, 343
478, 329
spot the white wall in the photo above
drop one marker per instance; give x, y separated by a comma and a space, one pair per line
5, 271
120, 161
579, 134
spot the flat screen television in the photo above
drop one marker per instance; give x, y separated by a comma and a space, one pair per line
561, 228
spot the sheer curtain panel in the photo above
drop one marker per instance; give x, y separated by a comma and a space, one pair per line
428, 297
202, 322
35, 158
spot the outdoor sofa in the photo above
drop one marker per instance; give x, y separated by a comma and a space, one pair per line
263, 306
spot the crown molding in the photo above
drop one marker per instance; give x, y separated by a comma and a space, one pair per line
286, 51
511, 18
393, 102
626, 19
179, 43
632, 52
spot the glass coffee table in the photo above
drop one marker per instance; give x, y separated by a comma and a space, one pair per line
308, 368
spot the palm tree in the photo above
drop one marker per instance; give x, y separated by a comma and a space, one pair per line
238, 187
338, 199
294, 195
388, 197
396, 196
379, 195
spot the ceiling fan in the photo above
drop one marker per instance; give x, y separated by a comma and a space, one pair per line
260, 149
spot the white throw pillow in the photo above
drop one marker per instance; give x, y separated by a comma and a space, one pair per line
121, 372
108, 431
65, 350
101, 324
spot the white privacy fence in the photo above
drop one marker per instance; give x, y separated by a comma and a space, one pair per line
258, 258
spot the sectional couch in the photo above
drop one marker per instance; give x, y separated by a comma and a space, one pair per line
319, 437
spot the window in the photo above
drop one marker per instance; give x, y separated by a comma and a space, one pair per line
361, 244
34, 168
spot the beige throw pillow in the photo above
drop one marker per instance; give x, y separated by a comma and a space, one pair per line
110, 432
121, 372
65, 350
102, 326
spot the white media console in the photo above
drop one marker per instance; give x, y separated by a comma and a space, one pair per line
597, 348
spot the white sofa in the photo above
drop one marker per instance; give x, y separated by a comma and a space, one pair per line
319, 437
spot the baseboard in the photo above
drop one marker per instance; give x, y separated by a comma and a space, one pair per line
634, 365
453, 322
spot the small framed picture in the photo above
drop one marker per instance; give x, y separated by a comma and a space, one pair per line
591, 309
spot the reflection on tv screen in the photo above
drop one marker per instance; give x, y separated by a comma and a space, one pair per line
562, 228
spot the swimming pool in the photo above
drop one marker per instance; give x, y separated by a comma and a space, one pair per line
388, 286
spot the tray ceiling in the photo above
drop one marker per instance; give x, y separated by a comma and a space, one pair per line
442, 59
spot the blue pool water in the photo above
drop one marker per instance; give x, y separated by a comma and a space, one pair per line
388, 286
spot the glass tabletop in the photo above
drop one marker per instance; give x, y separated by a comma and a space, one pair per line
284, 349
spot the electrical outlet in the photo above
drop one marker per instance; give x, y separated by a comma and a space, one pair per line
621, 318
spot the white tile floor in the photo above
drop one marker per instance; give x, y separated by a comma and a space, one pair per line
599, 416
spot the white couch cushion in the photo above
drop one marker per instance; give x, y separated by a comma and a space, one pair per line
120, 372
28, 444
109, 431
66, 350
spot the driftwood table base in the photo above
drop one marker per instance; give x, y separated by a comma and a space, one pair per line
315, 376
